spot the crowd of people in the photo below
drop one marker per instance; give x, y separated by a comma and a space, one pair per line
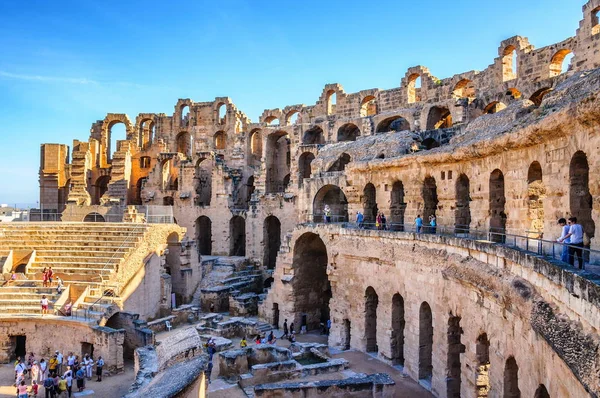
55, 375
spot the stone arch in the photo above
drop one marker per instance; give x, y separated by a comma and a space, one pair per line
413, 88
464, 89
430, 198
557, 62
513, 93
335, 198
278, 161
184, 111
139, 186
94, 217
221, 112
340, 163
368, 106
425, 342
310, 284
580, 198
536, 192
100, 188
397, 206
511, 379
331, 101
430, 143
455, 348
146, 133
462, 213
397, 336
237, 236
203, 227
371, 303
256, 148
170, 175
348, 132
249, 191
184, 143
439, 117
538, 96
292, 117
509, 63
313, 136
272, 120
220, 140
497, 202
369, 201
203, 182
304, 167
271, 241
541, 392
108, 142
494, 107
394, 123
482, 354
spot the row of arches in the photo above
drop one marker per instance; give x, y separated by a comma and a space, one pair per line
580, 200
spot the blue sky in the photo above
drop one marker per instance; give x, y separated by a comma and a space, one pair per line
65, 64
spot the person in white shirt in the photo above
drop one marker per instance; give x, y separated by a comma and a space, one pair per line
20, 368
44, 303
71, 360
43, 370
88, 368
575, 236
59, 358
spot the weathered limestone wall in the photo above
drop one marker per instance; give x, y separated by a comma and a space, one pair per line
512, 297
44, 336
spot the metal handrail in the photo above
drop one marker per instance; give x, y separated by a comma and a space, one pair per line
538, 246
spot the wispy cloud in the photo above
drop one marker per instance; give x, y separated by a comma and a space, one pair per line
69, 80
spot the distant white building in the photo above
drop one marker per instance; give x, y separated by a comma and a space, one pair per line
9, 214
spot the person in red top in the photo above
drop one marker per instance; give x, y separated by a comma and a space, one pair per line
50, 274
45, 277
34, 388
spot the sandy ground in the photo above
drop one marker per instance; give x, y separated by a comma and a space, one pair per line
111, 387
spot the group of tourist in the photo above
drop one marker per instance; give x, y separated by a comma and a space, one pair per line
431, 228
56, 375
572, 237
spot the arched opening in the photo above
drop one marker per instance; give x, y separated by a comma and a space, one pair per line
100, 188
255, 148
117, 131
425, 343
497, 203
538, 96
340, 163
397, 337
221, 113
536, 192
185, 116
369, 201
394, 123
20, 268
278, 161
145, 162
371, 303
220, 140
455, 348
560, 62
494, 107
348, 132
368, 106
430, 143
430, 199
464, 89
268, 282
482, 353
292, 117
509, 63
332, 196
311, 287
237, 236
580, 198
203, 182
249, 191
146, 137
513, 93
168, 201
313, 136
462, 213
170, 176
439, 118
397, 206
184, 143
511, 379
414, 88
204, 235
331, 102
541, 392
271, 240
304, 166
94, 217
272, 121
139, 186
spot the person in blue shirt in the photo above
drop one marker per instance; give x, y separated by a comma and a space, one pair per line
432, 224
419, 223
564, 257
576, 246
359, 219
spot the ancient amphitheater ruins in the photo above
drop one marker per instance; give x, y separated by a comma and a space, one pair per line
203, 217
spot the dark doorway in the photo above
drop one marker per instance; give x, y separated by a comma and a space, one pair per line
304, 167
87, 348
272, 241
203, 182
369, 201
462, 214
313, 136
276, 315
348, 132
20, 346
277, 161
332, 196
425, 342
397, 206
204, 235
340, 163
511, 379
497, 204
482, 352
371, 303
347, 334
430, 198
580, 198
541, 392
237, 236
397, 338
455, 348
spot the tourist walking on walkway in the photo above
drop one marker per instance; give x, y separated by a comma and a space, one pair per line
45, 277
69, 379
99, 366
418, 223
50, 276
44, 304
432, 224
360, 219
20, 371
383, 222
292, 328
576, 246
285, 329
564, 256
243, 342
327, 212
208, 371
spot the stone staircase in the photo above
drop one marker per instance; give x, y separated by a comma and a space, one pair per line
83, 255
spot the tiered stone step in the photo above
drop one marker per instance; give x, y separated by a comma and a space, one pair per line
23, 297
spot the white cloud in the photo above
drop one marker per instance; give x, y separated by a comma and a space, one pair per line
47, 79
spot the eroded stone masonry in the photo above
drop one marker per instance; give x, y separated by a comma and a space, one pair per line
506, 150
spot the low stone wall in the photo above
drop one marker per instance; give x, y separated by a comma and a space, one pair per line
378, 385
